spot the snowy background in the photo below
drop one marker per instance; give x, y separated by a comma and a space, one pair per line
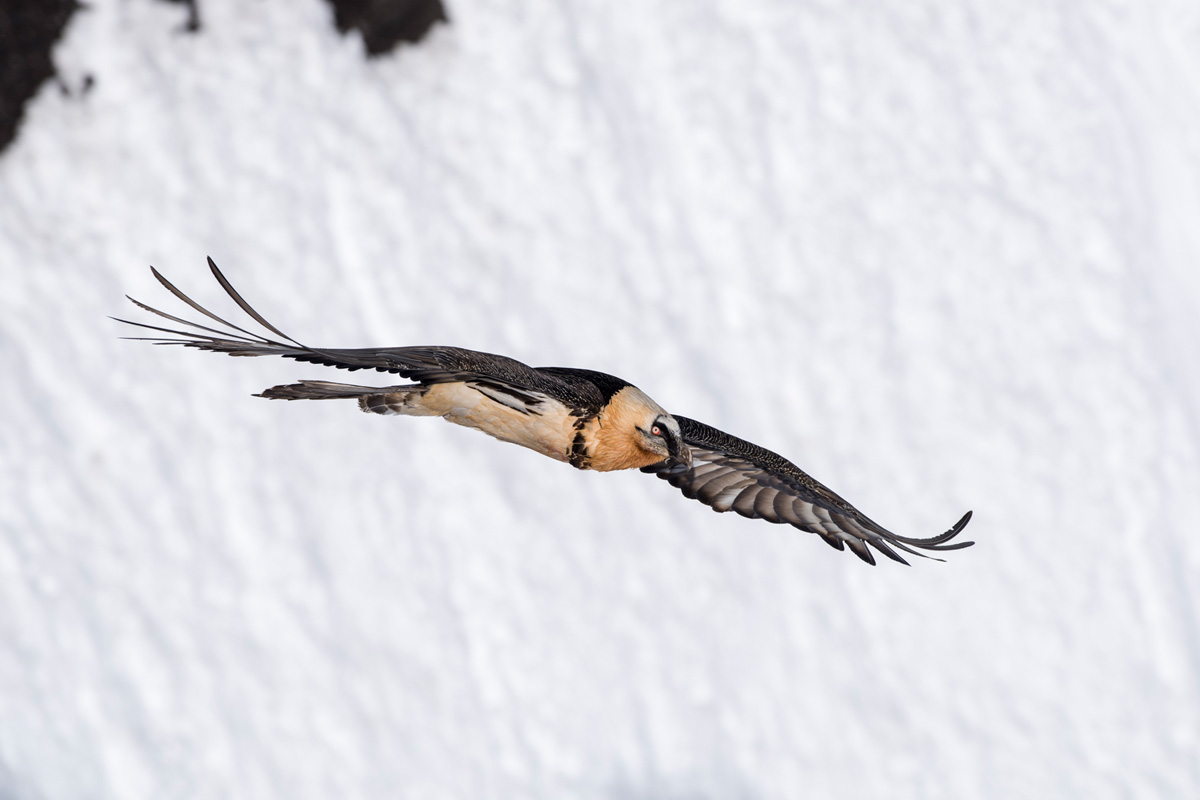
943, 255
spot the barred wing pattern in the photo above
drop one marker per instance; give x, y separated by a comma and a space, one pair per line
730, 474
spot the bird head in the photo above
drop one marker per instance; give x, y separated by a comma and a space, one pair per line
660, 435
633, 431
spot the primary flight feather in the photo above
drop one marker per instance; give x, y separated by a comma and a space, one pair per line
588, 419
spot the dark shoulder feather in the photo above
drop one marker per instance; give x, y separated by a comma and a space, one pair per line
585, 389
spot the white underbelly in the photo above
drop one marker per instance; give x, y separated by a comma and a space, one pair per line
547, 427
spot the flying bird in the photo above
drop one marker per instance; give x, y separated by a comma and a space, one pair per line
590, 420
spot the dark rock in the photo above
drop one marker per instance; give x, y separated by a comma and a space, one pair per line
28, 32
385, 23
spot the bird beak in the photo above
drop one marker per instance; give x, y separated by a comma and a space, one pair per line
680, 455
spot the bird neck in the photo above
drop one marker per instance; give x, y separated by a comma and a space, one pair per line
611, 438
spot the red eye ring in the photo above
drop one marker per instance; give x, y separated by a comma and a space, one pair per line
657, 431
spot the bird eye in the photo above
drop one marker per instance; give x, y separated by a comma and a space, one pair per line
657, 431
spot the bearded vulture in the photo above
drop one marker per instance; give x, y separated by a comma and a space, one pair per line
589, 419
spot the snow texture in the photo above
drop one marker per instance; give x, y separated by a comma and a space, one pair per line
942, 255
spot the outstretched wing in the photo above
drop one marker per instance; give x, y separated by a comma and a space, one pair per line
493, 374
730, 474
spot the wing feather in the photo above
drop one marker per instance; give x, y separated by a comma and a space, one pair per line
723, 500
764, 504
715, 484
744, 503
731, 474
504, 379
783, 507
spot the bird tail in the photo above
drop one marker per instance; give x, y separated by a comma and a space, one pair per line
374, 399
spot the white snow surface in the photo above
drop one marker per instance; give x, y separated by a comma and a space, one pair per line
942, 255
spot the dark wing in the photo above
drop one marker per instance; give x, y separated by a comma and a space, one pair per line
424, 364
730, 474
